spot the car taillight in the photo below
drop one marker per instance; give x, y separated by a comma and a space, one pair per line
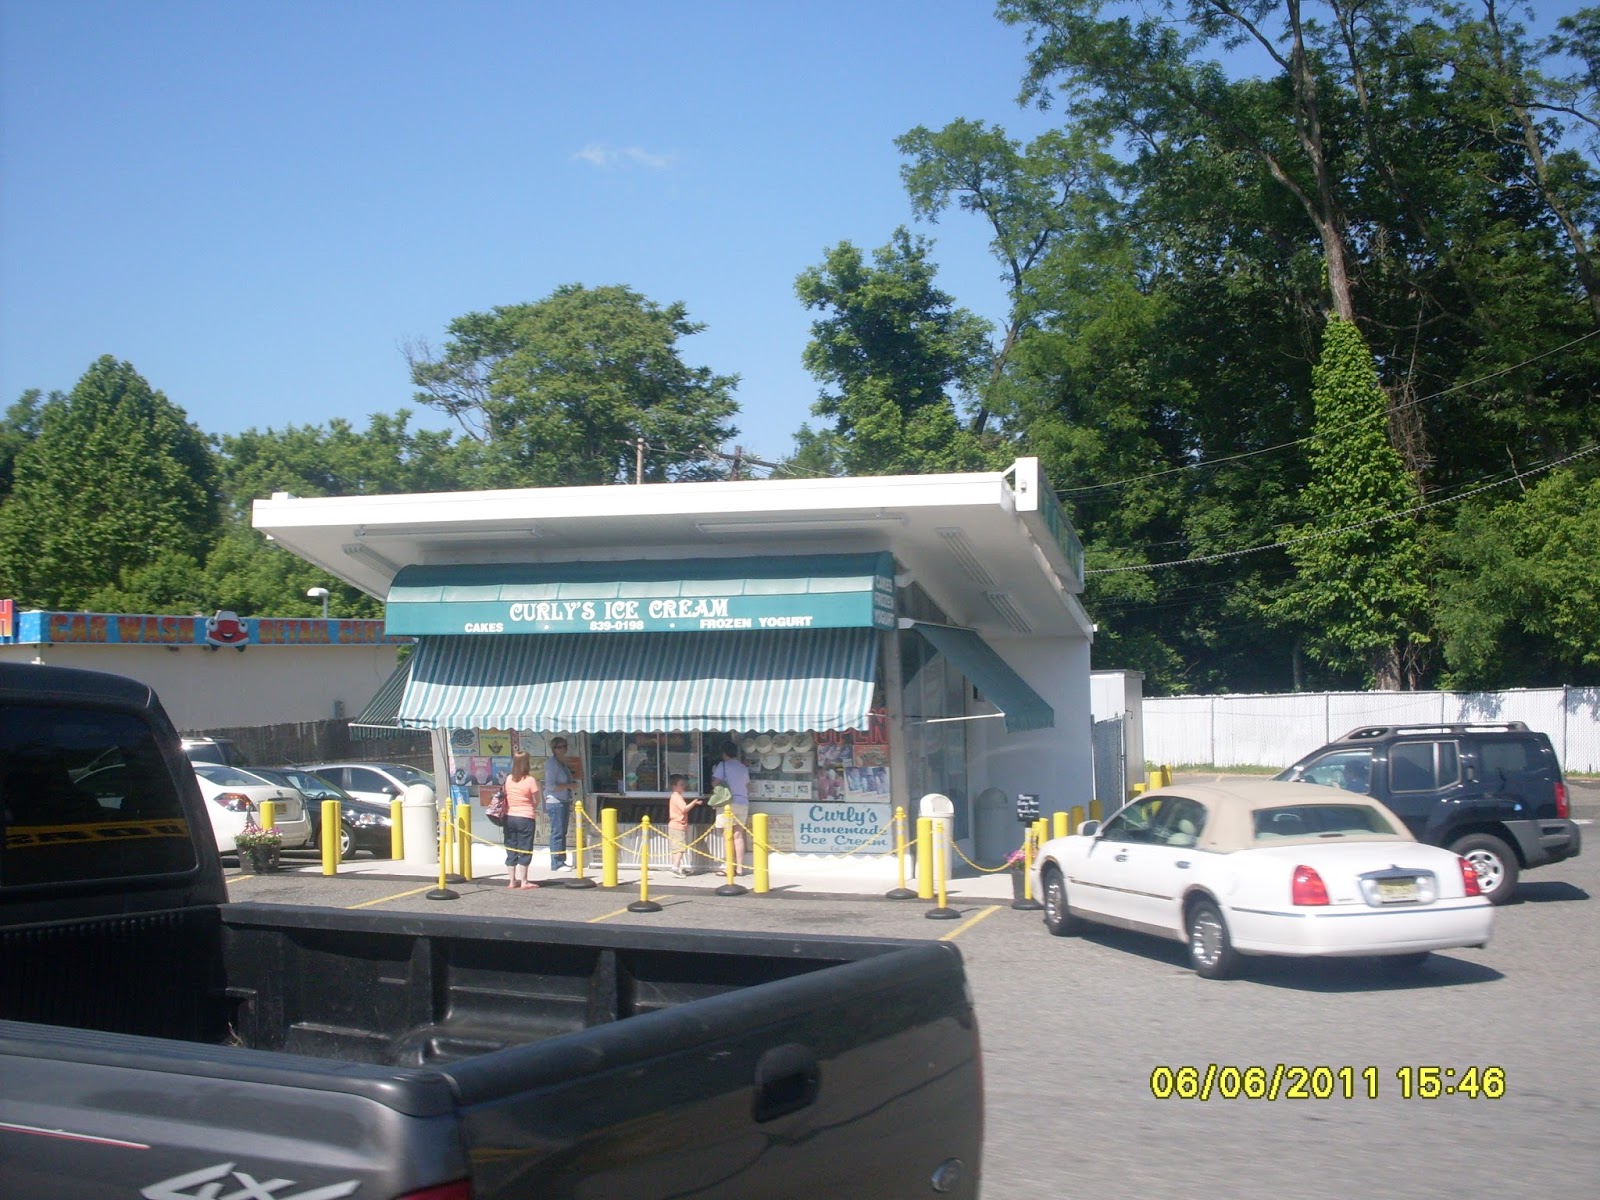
1469, 878
1308, 887
1561, 800
461, 1189
234, 802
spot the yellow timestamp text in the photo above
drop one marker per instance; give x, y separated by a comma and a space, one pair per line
1288, 1081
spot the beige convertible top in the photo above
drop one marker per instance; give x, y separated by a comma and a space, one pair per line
1231, 809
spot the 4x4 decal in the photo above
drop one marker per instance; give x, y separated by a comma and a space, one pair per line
207, 1184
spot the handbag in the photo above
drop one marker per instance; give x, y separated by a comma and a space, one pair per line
720, 795
496, 812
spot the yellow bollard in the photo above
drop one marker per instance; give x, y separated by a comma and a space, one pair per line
269, 814
442, 892
1138, 789
1027, 864
900, 891
924, 858
644, 903
1077, 817
644, 858
729, 864
579, 879
329, 817
1041, 832
608, 847
1095, 811
758, 852
943, 911
464, 842
1166, 776
397, 830
1060, 824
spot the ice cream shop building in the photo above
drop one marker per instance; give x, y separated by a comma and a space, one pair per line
863, 643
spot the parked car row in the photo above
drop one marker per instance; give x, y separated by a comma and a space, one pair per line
235, 794
1412, 837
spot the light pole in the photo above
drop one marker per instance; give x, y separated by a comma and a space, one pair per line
320, 593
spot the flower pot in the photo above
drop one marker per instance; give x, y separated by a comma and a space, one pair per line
258, 860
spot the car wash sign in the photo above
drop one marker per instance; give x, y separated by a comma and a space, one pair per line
836, 591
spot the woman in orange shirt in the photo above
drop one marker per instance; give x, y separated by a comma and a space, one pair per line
522, 800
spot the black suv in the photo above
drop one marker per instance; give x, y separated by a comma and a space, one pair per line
1491, 793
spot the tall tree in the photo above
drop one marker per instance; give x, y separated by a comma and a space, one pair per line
899, 356
116, 481
1029, 197
1362, 592
561, 390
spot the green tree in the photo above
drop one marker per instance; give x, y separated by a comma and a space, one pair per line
897, 352
115, 482
560, 390
1361, 595
1519, 592
18, 428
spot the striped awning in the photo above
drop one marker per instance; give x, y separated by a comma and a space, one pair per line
381, 716
796, 679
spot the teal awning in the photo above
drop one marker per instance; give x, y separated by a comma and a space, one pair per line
817, 591
1023, 707
674, 682
381, 716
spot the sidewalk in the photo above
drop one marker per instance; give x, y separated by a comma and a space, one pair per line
788, 874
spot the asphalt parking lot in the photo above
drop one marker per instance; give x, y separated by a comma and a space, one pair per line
1077, 1030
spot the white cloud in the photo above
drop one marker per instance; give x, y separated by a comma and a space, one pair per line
610, 157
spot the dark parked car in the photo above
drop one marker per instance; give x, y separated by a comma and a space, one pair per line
1492, 793
363, 825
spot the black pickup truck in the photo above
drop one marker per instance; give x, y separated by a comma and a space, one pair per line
157, 1041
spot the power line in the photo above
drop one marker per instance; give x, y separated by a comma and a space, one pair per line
1327, 533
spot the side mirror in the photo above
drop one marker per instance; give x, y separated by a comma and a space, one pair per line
1471, 773
1089, 829
392, 789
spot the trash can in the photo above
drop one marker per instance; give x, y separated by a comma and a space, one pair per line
419, 819
942, 812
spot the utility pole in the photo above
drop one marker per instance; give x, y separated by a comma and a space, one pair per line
738, 453
638, 460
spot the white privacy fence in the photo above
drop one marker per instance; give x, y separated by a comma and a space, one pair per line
1275, 730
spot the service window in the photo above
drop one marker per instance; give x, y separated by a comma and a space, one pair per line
1423, 766
85, 795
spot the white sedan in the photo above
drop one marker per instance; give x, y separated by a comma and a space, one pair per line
1261, 867
234, 797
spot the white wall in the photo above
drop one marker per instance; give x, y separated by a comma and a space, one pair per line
229, 688
1276, 730
1056, 763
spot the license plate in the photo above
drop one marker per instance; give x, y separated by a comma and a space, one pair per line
1397, 891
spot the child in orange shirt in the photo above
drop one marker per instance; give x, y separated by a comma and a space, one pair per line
678, 823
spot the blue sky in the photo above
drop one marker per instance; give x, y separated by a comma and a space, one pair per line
258, 205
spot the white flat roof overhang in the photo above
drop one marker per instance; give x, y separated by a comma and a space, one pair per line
992, 548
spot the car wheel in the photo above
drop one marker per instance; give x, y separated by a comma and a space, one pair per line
1211, 951
1057, 919
347, 843
1405, 962
1494, 862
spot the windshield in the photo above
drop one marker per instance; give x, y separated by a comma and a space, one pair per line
409, 775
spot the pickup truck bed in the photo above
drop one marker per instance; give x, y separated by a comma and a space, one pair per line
539, 1058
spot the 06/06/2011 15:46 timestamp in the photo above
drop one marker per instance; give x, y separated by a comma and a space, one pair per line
1284, 1081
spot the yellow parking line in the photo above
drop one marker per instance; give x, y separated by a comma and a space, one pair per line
607, 917
396, 896
970, 922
